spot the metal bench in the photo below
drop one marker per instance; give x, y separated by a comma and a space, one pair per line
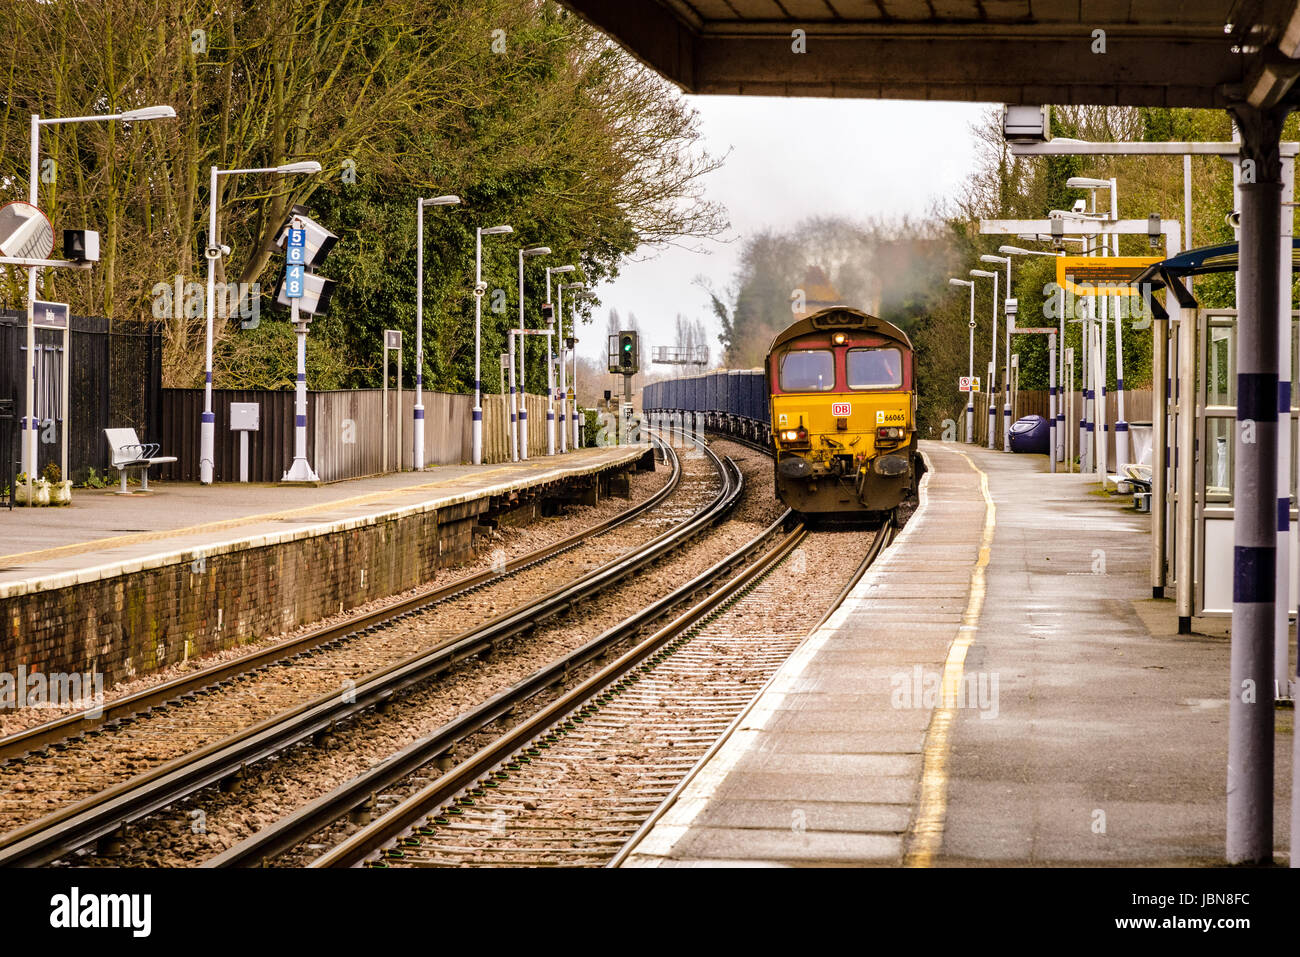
130, 453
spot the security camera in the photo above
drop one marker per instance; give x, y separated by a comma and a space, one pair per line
1080, 206
1233, 219
1026, 124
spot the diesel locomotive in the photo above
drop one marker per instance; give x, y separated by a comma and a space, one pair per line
835, 403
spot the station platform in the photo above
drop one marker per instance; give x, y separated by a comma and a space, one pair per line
129, 583
1081, 728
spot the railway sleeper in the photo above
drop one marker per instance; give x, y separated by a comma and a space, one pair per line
112, 843
232, 783
362, 812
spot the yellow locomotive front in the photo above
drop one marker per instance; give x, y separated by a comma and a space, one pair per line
843, 413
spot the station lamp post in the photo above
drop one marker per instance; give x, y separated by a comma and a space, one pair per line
558, 270
576, 288
1006, 352
417, 425
993, 362
215, 251
970, 359
1121, 424
480, 287
1056, 389
29, 424
519, 432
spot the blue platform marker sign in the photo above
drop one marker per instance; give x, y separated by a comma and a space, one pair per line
293, 274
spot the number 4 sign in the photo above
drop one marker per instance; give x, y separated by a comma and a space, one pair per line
295, 257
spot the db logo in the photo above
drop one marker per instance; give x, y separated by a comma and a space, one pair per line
841, 408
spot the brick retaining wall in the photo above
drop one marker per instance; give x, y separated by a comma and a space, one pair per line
196, 602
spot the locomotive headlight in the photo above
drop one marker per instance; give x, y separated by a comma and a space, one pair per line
839, 338
889, 432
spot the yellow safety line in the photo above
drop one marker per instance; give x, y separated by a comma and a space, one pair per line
138, 538
931, 815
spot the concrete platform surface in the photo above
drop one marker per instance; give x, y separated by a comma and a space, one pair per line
1081, 728
103, 533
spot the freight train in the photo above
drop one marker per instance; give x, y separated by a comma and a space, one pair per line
835, 402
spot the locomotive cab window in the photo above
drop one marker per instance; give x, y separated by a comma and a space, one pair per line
875, 369
808, 370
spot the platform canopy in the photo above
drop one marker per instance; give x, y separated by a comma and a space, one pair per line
1224, 257
1199, 53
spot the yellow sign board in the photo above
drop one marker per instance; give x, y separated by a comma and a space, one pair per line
1100, 275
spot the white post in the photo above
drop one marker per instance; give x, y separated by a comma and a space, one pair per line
1121, 422
1085, 381
970, 371
29, 423
417, 422
1281, 642
577, 428
510, 337
476, 426
523, 394
1062, 383
301, 470
1006, 371
207, 424
550, 391
564, 421
1103, 431
993, 366
1051, 402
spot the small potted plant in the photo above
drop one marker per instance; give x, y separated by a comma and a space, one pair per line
33, 493
22, 490
60, 488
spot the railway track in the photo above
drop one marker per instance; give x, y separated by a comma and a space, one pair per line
37, 739
106, 812
572, 782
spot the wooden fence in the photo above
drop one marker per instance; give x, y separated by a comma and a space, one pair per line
348, 434
1137, 408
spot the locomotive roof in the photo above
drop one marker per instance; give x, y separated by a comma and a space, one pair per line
839, 317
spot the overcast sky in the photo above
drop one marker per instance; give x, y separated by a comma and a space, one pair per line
790, 159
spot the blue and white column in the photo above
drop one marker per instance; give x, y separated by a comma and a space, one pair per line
300, 470
1255, 500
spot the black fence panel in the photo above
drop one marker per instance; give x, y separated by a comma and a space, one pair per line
9, 378
114, 380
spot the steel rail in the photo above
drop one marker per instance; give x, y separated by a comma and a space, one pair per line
59, 833
354, 851
41, 736
296, 827
882, 540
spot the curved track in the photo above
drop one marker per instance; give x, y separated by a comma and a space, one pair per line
100, 815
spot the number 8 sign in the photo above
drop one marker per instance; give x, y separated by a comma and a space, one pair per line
293, 281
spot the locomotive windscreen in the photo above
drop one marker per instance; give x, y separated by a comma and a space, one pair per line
808, 371
875, 368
